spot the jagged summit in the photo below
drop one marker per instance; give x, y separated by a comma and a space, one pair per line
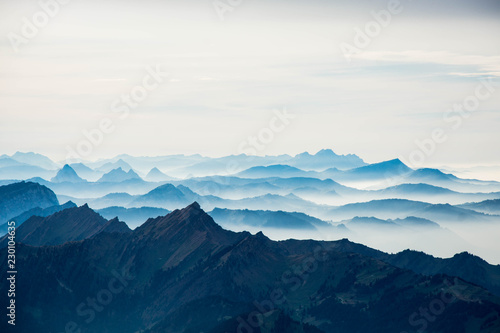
155, 175
195, 205
114, 165
325, 159
71, 224
114, 219
67, 174
119, 175
188, 220
115, 225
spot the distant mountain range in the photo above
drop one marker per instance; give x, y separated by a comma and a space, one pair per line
31, 159
346, 169
487, 206
183, 273
119, 175
109, 166
268, 219
194, 164
278, 170
325, 159
322, 160
134, 217
401, 208
169, 196
132, 248
369, 203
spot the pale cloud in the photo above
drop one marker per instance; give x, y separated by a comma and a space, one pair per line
487, 65
227, 77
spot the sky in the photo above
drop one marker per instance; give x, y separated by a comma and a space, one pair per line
418, 80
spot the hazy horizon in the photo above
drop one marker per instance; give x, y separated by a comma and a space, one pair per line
466, 170
227, 78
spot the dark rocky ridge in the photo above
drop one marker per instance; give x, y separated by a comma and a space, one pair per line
72, 224
184, 273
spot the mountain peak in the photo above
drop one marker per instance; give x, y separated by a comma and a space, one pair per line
116, 226
84, 207
131, 172
156, 175
260, 236
195, 205
119, 175
326, 159
67, 174
326, 152
107, 167
186, 216
394, 162
190, 224
390, 166
466, 256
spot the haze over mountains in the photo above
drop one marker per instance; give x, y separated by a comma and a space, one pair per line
281, 195
231, 166
199, 246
